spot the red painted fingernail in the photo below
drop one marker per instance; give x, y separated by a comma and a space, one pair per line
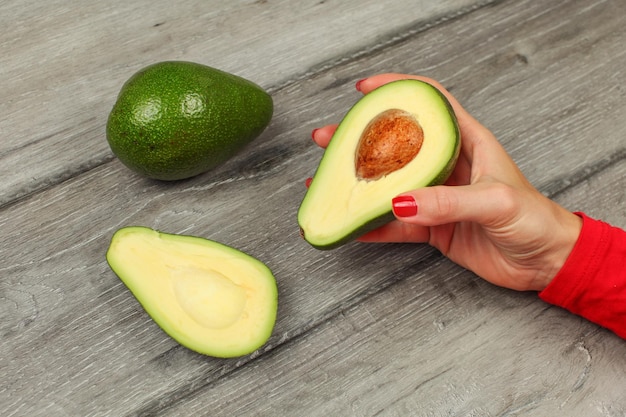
313, 133
404, 206
308, 182
358, 84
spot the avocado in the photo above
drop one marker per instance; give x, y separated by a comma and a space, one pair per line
401, 136
209, 297
176, 119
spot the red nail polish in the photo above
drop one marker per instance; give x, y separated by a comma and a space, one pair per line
404, 206
313, 133
308, 182
358, 84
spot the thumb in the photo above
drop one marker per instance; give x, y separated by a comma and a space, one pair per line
486, 203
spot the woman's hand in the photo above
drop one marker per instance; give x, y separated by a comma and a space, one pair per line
487, 217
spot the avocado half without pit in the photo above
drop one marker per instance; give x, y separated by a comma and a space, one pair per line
401, 136
209, 297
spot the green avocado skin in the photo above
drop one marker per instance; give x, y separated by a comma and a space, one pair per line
360, 231
176, 119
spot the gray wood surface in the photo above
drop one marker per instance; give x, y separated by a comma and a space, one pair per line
393, 330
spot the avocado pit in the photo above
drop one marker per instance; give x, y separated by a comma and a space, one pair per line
390, 141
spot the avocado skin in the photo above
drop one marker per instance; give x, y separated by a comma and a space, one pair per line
367, 227
441, 177
176, 119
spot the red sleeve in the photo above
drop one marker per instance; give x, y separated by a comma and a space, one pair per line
592, 283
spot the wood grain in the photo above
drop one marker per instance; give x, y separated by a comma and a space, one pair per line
390, 329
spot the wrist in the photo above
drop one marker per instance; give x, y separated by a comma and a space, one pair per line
565, 238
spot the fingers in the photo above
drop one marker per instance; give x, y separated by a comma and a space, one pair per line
490, 204
322, 135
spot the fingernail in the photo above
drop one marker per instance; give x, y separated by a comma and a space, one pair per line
313, 133
358, 84
404, 206
308, 182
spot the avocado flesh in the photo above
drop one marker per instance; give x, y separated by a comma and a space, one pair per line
176, 119
209, 297
339, 205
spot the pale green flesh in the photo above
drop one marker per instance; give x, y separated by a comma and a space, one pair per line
337, 203
209, 297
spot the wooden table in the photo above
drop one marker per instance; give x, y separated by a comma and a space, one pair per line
367, 329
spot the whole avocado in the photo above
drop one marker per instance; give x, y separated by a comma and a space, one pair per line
176, 119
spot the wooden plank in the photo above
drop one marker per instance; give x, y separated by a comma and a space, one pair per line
74, 341
64, 65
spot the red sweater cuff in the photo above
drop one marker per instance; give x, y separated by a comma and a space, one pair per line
592, 282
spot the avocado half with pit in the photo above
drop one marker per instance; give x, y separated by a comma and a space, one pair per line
209, 297
399, 137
